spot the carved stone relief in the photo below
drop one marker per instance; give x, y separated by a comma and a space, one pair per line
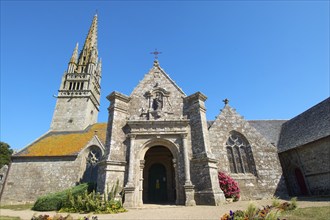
159, 105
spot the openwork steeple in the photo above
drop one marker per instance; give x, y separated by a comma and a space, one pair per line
80, 83
89, 53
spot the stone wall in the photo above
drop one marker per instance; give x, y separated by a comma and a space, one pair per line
265, 177
3, 175
73, 114
32, 177
313, 161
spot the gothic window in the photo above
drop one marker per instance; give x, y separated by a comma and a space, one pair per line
238, 151
92, 159
231, 159
244, 158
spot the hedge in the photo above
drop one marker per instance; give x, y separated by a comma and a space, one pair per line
55, 201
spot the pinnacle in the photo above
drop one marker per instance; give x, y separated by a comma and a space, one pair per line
89, 50
156, 63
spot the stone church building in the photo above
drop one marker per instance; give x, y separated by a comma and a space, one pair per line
157, 143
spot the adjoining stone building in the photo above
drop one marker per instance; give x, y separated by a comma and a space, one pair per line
157, 143
304, 151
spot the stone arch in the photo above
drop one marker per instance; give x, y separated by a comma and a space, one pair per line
91, 156
159, 158
160, 142
239, 153
301, 182
296, 181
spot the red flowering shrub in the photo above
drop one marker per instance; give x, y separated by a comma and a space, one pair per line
229, 186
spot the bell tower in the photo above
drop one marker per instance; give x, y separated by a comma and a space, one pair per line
78, 98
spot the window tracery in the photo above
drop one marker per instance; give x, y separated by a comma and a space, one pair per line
239, 154
93, 157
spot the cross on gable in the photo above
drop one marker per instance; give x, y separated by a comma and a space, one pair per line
156, 53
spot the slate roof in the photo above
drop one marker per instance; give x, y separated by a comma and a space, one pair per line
64, 143
307, 127
270, 129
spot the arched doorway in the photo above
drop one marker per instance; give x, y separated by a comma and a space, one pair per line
159, 176
301, 182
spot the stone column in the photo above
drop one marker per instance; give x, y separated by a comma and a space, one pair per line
129, 189
176, 181
186, 160
188, 187
130, 181
141, 182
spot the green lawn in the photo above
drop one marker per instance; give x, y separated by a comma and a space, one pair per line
17, 207
9, 218
315, 213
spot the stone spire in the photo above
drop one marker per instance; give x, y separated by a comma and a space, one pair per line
73, 61
90, 46
74, 56
91, 39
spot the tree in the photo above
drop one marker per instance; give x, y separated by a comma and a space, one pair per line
5, 153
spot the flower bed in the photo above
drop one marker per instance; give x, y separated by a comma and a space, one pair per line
269, 212
60, 217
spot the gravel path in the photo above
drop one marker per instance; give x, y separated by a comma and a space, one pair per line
172, 211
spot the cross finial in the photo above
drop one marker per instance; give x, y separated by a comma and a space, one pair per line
226, 101
155, 53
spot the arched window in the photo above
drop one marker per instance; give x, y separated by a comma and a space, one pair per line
93, 157
238, 151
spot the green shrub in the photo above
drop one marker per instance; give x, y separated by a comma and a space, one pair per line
276, 202
293, 203
55, 201
251, 211
93, 202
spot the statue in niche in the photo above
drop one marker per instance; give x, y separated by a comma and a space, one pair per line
157, 103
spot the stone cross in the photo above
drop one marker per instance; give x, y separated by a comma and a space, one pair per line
226, 101
156, 53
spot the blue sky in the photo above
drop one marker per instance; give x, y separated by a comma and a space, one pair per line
269, 58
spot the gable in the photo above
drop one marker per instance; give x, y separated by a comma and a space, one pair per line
229, 120
156, 93
64, 143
